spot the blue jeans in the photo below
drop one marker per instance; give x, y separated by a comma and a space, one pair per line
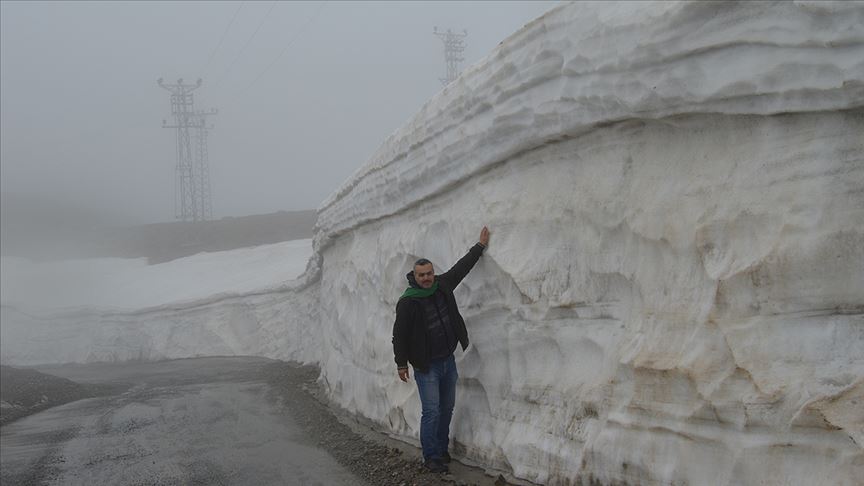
437, 396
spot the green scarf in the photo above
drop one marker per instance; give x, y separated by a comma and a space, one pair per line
415, 292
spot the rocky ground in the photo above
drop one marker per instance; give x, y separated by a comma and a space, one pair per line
24, 392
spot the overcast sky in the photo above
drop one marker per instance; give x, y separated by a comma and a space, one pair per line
82, 113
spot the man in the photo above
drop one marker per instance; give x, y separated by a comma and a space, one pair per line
428, 326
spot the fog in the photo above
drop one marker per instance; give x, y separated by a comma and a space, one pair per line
306, 91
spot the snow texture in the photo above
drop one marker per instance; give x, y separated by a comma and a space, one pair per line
674, 288
237, 302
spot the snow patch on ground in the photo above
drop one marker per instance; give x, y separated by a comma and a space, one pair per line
238, 302
131, 284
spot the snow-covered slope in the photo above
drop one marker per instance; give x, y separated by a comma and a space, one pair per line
674, 290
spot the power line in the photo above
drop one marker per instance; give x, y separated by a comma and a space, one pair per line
222, 39
243, 50
306, 25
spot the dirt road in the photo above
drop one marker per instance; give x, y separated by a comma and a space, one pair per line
237, 420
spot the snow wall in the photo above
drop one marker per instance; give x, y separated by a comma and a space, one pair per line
674, 288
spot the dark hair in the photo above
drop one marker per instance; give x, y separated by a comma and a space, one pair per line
422, 262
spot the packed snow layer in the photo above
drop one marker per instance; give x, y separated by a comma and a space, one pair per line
238, 302
654, 306
674, 290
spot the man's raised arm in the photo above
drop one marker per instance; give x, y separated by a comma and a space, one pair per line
467, 262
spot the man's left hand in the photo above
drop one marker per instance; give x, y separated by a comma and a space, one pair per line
484, 236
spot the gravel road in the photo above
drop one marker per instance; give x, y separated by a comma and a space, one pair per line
232, 420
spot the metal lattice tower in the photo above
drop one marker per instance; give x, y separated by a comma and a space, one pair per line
192, 184
453, 48
202, 166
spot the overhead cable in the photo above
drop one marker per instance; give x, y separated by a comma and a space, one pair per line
248, 42
222, 39
305, 26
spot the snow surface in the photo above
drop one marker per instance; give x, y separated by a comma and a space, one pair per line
674, 289
131, 284
236, 302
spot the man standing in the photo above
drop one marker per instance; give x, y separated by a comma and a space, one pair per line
428, 326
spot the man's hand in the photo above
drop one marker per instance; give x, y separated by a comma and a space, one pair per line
403, 374
484, 236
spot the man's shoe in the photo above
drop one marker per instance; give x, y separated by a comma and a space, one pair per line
445, 458
435, 465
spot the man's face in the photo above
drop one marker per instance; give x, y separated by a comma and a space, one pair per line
424, 275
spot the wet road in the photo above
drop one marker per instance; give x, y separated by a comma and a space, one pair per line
196, 421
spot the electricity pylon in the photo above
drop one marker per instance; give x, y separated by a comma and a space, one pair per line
192, 200
453, 48
203, 164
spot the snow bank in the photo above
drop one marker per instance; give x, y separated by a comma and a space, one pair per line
238, 302
673, 290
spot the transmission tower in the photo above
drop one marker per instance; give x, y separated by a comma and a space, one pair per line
192, 184
202, 165
453, 48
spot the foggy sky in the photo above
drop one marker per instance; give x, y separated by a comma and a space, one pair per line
81, 113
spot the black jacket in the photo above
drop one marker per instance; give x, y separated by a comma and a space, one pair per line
409, 330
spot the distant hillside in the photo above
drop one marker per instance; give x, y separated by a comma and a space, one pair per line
24, 392
162, 242
48, 231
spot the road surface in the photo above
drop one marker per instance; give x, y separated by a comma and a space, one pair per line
197, 421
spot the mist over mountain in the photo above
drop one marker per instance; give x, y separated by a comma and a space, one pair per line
45, 229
